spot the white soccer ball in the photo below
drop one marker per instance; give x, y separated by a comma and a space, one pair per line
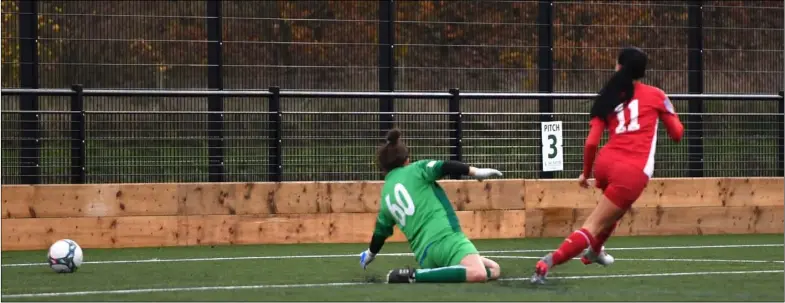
65, 256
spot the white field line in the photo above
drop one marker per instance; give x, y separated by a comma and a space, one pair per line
487, 252
667, 274
656, 260
246, 287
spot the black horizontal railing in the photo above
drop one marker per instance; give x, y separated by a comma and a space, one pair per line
349, 95
457, 124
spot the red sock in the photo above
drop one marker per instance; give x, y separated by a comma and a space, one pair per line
602, 237
572, 246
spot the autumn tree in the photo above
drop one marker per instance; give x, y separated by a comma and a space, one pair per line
485, 45
47, 52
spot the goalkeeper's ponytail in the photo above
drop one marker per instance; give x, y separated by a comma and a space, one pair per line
393, 153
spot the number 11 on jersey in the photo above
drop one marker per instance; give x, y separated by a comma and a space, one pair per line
633, 125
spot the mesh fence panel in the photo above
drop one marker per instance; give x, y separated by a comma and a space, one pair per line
247, 133
334, 45
55, 123
122, 44
10, 135
509, 137
743, 46
153, 140
54, 120
473, 45
329, 144
426, 124
588, 35
741, 139
171, 146
325, 45
10, 40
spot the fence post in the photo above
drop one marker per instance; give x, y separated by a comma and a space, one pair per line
781, 139
545, 66
695, 83
386, 64
78, 131
275, 133
216, 146
30, 154
456, 121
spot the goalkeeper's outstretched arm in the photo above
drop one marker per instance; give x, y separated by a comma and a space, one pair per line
382, 231
459, 168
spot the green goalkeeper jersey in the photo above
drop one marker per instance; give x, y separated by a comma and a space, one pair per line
412, 199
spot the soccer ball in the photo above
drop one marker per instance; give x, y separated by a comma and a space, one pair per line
65, 256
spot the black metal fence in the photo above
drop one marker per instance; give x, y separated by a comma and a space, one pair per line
713, 46
275, 140
532, 48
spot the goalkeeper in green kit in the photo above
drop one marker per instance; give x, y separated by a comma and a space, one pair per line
412, 199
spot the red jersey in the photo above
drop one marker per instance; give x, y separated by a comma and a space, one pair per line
633, 130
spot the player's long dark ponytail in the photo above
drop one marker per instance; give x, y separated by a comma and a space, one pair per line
620, 89
393, 153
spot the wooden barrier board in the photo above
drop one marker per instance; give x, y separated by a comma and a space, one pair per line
136, 215
169, 199
142, 231
659, 221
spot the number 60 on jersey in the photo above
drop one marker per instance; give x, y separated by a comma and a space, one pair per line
552, 150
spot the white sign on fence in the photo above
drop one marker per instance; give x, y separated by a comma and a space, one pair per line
552, 150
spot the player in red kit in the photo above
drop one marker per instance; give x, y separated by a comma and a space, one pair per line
630, 111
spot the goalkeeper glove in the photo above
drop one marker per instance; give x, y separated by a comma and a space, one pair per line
484, 173
366, 258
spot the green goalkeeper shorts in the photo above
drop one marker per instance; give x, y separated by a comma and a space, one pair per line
447, 251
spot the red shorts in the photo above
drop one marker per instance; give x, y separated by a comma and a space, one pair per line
620, 182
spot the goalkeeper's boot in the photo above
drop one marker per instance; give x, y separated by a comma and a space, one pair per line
541, 269
400, 275
601, 258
